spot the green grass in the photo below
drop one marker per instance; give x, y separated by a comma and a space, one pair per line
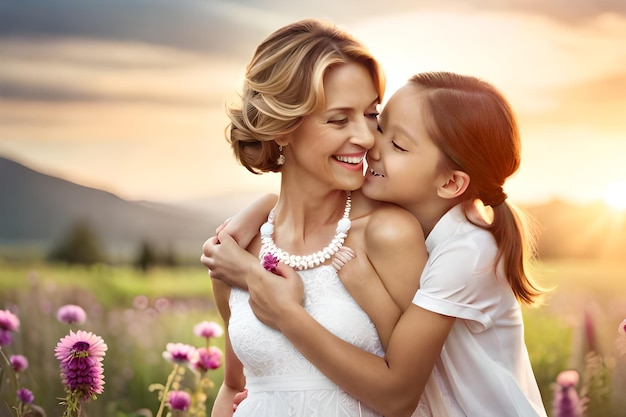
114, 286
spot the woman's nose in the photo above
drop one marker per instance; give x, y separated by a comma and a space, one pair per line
365, 135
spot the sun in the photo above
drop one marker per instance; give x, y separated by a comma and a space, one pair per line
615, 195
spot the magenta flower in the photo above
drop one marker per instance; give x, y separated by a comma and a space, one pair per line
208, 329
270, 262
179, 400
566, 402
19, 363
206, 358
178, 352
71, 314
9, 321
25, 396
5, 338
80, 356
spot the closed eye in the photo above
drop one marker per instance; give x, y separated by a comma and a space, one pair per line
400, 148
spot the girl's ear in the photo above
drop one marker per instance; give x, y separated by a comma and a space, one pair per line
455, 185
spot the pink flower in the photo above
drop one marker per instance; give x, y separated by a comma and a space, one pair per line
25, 396
80, 356
270, 262
622, 328
206, 358
179, 400
568, 378
566, 402
19, 363
208, 329
71, 313
178, 352
9, 321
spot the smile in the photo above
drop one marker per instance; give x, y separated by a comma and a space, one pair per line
376, 174
353, 160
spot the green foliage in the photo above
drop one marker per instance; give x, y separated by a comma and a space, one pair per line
149, 257
597, 385
79, 246
549, 343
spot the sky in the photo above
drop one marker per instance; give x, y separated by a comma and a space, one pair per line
128, 95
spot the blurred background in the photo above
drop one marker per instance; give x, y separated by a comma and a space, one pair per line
114, 167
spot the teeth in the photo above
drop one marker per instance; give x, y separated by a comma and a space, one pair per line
349, 159
376, 174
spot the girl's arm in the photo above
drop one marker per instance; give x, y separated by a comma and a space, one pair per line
392, 385
243, 228
234, 380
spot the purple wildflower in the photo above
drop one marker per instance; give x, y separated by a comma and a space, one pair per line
19, 363
208, 329
270, 262
179, 400
178, 353
71, 313
5, 338
566, 402
206, 358
80, 355
25, 396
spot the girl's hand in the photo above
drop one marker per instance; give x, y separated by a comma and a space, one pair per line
227, 261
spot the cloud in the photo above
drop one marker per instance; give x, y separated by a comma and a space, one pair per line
87, 71
596, 104
206, 26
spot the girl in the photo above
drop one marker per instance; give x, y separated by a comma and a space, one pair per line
448, 144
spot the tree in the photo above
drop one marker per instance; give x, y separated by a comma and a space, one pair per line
147, 256
79, 246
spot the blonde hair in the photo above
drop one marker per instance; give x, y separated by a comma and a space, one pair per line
284, 82
473, 125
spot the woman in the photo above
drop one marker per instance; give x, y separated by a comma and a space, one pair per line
448, 144
308, 111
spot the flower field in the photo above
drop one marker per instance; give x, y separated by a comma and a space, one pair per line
137, 315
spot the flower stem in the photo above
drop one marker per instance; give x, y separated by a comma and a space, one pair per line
9, 368
170, 379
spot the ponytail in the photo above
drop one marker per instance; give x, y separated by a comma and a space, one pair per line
516, 248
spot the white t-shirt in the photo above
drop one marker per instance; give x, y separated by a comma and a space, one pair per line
484, 369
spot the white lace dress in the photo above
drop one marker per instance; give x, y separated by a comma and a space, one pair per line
280, 381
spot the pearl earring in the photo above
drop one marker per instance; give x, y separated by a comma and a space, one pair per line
281, 158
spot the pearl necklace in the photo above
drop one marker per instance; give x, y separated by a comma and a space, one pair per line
301, 262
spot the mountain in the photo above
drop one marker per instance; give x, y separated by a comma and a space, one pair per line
36, 208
